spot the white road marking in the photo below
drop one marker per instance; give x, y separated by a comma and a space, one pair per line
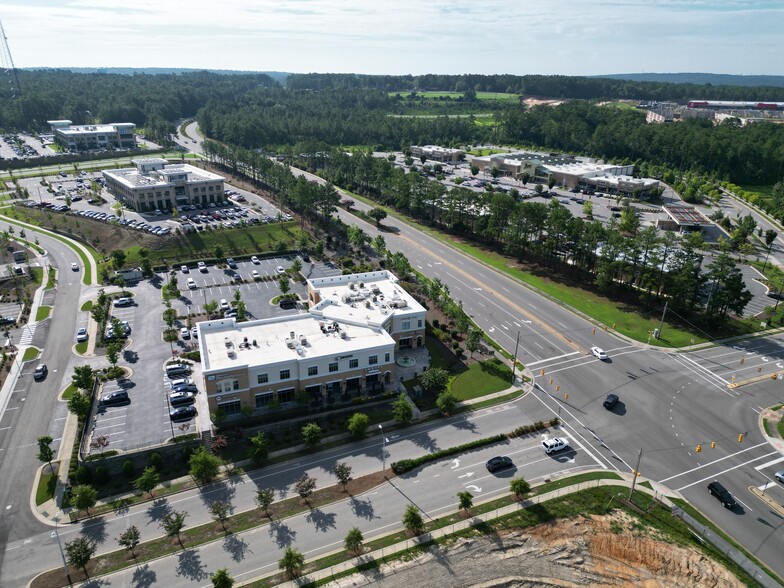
716, 461
717, 474
768, 464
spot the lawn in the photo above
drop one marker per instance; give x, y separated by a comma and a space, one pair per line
42, 313
68, 392
30, 354
81, 348
46, 487
482, 378
87, 305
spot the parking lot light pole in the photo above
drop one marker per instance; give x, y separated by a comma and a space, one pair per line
168, 403
383, 451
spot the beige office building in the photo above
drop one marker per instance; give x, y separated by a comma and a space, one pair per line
93, 137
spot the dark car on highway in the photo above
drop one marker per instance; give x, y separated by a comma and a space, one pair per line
500, 462
182, 413
610, 401
720, 492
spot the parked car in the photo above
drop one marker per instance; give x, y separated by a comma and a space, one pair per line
231, 263
599, 353
40, 372
184, 269
115, 398
255, 260
224, 304
720, 492
182, 398
123, 302
203, 267
610, 401
498, 462
185, 388
554, 444
287, 304
182, 413
181, 382
195, 332
185, 333
280, 270
81, 335
779, 476
191, 284
255, 275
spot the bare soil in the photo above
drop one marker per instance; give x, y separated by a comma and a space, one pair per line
594, 551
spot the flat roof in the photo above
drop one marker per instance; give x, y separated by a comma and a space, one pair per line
90, 129
685, 215
370, 298
269, 341
132, 178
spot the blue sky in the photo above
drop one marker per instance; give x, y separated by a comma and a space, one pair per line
571, 37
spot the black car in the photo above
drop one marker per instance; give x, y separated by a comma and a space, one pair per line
185, 388
610, 401
231, 263
7, 320
305, 257
40, 372
182, 398
722, 494
499, 462
287, 304
115, 398
182, 413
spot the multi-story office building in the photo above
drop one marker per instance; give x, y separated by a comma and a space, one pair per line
93, 137
155, 184
436, 153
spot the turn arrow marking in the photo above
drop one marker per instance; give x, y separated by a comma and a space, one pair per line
455, 463
474, 488
468, 475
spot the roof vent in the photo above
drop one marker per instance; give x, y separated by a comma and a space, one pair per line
343, 335
303, 340
291, 335
290, 343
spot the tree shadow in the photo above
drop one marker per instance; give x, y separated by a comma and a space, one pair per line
189, 565
95, 530
144, 577
321, 520
237, 547
159, 508
95, 583
363, 508
465, 424
426, 442
281, 534
122, 506
369, 567
219, 492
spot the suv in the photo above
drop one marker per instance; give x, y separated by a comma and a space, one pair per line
115, 398
231, 263
554, 444
40, 372
182, 398
123, 302
722, 494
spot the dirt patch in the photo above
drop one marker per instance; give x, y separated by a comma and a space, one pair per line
540, 101
596, 551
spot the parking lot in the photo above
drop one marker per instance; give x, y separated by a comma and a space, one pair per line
22, 147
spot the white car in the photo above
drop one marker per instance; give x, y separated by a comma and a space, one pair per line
255, 275
203, 267
75, 267
191, 284
184, 269
81, 335
599, 353
554, 444
185, 333
195, 332
255, 260
280, 270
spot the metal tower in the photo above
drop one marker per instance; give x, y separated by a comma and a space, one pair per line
9, 81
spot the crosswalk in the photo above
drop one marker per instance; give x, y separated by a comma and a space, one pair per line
27, 334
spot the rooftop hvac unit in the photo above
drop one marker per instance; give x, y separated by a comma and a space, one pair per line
227, 342
376, 290
343, 335
351, 285
362, 284
290, 343
303, 340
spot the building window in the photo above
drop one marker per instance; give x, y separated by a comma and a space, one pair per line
313, 370
285, 374
333, 367
262, 400
227, 386
286, 395
353, 363
230, 408
373, 360
419, 323
386, 358
262, 379
406, 325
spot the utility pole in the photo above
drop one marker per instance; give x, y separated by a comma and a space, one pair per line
514, 359
661, 324
635, 473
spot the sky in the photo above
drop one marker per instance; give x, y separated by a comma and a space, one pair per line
569, 37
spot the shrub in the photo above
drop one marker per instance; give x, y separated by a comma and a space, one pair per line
83, 475
406, 465
156, 461
101, 475
128, 468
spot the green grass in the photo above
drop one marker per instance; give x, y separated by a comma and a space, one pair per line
765, 191
51, 282
43, 312
482, 378
620, 105
69, 391
780, 429
483, 152
81, 348
87, 305
46, 487
766, 426
37, 275
30, 354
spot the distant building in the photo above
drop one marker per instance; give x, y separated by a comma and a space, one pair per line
436, 153
93, 137
154, 184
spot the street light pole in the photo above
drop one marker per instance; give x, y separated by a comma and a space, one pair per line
168, 403
60, 545
383, 451
635, 473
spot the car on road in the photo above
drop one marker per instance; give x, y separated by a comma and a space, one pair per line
280, 270
81, 335
184, 269
182, 398
255, 260
7, 320
40, 372
185, 333
599, 353
75, 266
182, 413
203, 267
191, 284
779, 476
554, 444
123, 302
610, 401
723, 495
499, 462
115, 398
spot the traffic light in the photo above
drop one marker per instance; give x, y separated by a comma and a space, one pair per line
593, 331
740, 438
566, 396
558, 388
551, 381
713, 445
541, 372
699, 448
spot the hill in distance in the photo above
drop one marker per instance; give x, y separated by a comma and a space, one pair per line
701, 79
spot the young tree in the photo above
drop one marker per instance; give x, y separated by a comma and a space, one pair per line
377, 214
113, 352
130, 539
147, 481
79, 404
296, 265
292, 562
311, 435
173, 523
519, 487
353, 541
283, 284
434, 380
79, 552
220, 511
342, 472
210, 307
259, 449
465, 500
264, 498
357, 424
83, 377
204, 466
446, 403
305, 486
222, 579
413, 521
84, 497
551, 181
473, 340
401, 409
380, 245
100, 442
118, 258
45, 451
